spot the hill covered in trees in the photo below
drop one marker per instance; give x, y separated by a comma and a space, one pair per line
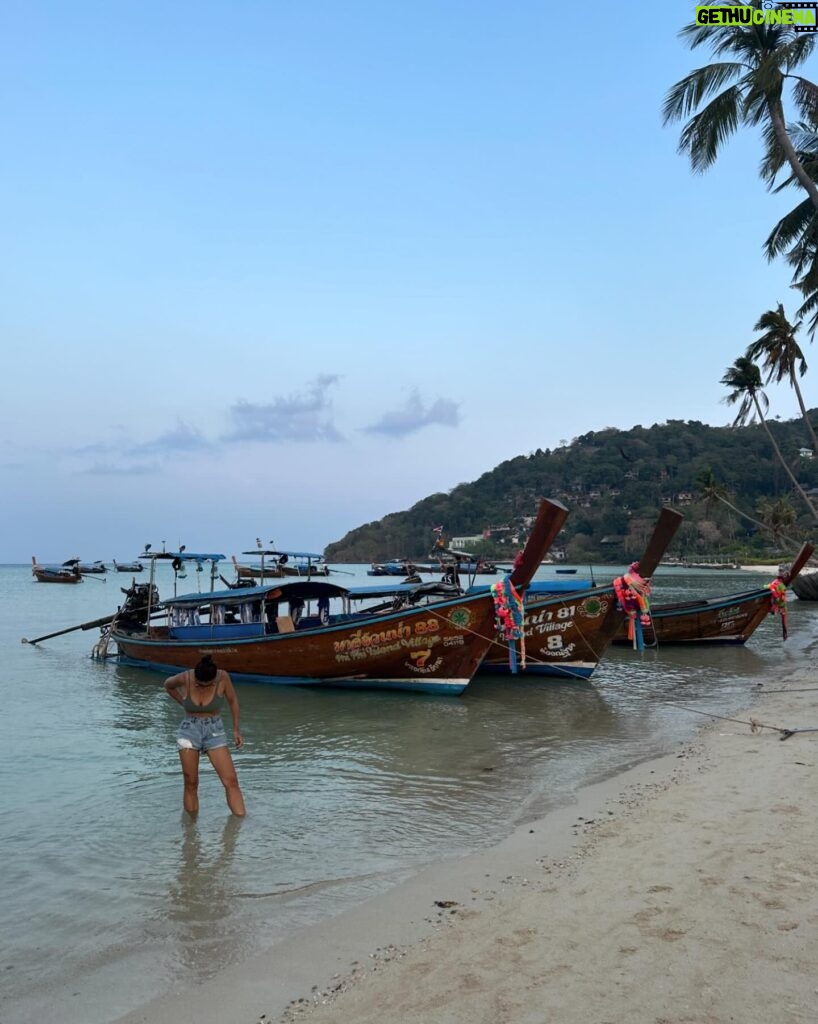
614, 482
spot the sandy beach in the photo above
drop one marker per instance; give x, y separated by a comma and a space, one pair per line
685, 890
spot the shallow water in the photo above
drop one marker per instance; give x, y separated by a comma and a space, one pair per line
110, 895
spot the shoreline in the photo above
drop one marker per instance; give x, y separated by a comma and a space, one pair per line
447, 945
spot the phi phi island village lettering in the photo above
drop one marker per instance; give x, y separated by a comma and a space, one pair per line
803, 17
365, 643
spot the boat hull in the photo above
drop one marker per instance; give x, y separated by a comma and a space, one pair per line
429, 650
48, 576
566, 635
729, 620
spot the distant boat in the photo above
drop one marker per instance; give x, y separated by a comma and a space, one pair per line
277, 564
54, 573
398, 567
710, 565
86, 568
128, 566
566, 572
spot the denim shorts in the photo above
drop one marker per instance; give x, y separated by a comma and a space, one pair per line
201, 732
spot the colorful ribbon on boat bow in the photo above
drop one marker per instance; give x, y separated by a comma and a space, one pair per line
778, 603
508, 609
633, 594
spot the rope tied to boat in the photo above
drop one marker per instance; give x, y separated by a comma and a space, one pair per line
633, 594
778, 603
510, 617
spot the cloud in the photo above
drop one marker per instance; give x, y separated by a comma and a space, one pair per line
109, 469
414, 417
306, 417
182, 438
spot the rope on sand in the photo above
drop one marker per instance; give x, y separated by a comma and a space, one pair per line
755, 725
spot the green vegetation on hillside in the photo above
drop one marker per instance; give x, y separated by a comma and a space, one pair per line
614, 483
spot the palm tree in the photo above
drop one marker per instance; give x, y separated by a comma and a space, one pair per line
780, 355
777, 516
795, 236
711, 490
746, 91
744, 380
774, 516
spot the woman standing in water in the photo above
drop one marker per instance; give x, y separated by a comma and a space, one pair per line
202, 692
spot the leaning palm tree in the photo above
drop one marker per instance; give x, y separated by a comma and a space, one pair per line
781, 357
711, 490
778, 516
744, 380
746, 91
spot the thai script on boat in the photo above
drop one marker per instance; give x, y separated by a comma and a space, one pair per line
400, 634
554, 648
426, 668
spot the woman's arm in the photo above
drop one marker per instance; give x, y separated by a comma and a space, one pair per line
233, 701
173, 684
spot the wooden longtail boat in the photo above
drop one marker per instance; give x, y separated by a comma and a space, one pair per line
567, 634
435, 648
276, 564
731, 619
86, 568
128, 566
54, 574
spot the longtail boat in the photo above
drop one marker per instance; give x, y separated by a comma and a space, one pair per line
731, 619
86, 568
54, 573
275, 564
271, 634
565, 635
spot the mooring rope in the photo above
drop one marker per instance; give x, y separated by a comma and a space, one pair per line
755, 725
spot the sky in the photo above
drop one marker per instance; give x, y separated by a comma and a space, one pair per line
277, 270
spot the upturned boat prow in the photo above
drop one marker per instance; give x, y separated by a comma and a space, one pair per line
567, 634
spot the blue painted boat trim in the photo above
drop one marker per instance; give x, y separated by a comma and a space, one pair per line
581, 671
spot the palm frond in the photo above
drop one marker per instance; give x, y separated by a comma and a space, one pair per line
774, 158
705, 133
805, 96
686, 95
795, 50
804, 137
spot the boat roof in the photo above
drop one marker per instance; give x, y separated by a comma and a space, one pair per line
289, 554
184, 556
286, 589
396, 589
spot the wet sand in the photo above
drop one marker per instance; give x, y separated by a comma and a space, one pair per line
685, 890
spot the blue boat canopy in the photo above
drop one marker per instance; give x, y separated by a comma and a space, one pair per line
295, 588
183, 556
290, 554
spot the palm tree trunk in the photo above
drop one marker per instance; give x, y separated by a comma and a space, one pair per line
755, 522
783, 461
776, 111
803, 409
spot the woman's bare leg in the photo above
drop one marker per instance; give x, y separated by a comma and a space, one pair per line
190, 771
223, 763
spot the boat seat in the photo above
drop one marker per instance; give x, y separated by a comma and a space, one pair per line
285, 624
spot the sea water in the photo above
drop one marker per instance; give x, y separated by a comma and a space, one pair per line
111, 895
